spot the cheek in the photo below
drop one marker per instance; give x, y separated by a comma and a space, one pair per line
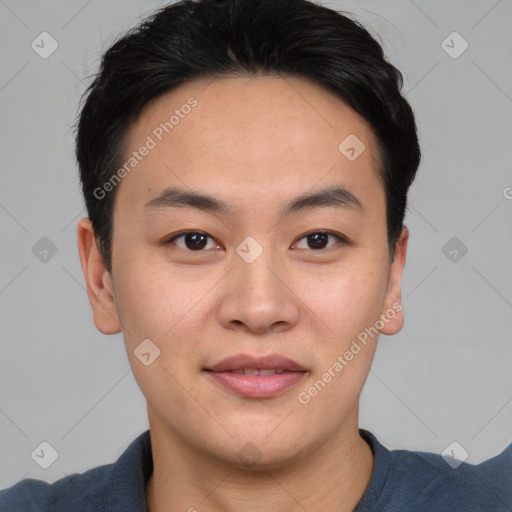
163, 304
164, 309
349, 300
346, 306
139, 302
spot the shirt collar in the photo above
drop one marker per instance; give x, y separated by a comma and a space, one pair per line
380, 473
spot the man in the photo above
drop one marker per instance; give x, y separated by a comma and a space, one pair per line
245, 166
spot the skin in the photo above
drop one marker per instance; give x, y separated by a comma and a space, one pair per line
256, 144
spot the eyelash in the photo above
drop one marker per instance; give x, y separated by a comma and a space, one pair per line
340, 238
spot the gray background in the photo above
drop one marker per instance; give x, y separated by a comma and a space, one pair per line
445, 377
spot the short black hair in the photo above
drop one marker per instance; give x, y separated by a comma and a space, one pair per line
194, 39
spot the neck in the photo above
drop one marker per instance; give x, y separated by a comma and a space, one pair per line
333, 476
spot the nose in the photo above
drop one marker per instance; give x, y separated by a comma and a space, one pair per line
258, 296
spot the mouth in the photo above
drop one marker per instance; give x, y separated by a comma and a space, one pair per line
257, 371
257, 377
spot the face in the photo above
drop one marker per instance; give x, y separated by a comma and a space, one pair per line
265, 274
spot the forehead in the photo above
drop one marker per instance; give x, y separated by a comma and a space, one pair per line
249, 135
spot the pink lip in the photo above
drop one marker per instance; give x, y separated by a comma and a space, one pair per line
264, 362
257, 385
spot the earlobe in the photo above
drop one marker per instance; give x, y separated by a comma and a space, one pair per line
98, 280
392, 315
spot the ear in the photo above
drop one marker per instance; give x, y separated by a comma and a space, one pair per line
98, 280
393, 301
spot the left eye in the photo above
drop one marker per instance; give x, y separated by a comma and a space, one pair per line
318, 240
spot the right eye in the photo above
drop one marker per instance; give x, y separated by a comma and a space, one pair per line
193, 241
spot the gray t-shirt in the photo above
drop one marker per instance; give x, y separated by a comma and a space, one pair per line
402, 481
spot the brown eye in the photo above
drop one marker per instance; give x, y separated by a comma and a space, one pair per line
191, 241
319, 240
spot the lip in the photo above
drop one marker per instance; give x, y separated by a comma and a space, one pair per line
240, 361
257, 386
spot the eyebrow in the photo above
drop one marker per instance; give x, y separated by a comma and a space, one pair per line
336, 196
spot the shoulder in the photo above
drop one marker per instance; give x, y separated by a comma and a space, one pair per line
86, 491
119, 486
430, 481
436, 479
